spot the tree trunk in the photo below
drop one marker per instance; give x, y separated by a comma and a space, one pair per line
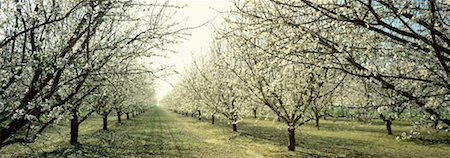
234, 127
118, 117
388, 124
186, 114
74, 128
105, 122
128, 116
14, 125
199, 115
317, 120
254, 113
212, 119
435, 124
388, 127
192, 115
291, 137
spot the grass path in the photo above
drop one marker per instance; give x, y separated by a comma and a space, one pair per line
157, 133
160, 133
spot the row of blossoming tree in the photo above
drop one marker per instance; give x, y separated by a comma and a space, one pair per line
300, 59
66, 60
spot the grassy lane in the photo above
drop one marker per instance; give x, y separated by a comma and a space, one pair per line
156, 133
266, 138
159, 133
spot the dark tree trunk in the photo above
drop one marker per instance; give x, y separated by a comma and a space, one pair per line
254, 113
74, 128
212, 119
388, 127
388, 124
435, 124
291, 137
234, 127
199, 115
118, 117
317, 120
105, 122
186, 114
128, 116
14, 125
192, 115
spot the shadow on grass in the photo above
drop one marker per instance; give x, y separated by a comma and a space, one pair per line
108, 144
427, 140
331, 126
78, 151
321, 146
311, 145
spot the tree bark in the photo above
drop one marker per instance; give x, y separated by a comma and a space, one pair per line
388, 127
199, 115
435, 123
317, 121
74, 128
118, 117
14, 125
234, 127
388, 124
254, 113
105, 122
192, 115
212, 119
291, 138
128, 116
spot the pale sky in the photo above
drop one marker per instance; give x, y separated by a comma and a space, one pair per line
196, 12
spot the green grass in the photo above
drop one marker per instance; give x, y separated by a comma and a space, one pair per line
338, 139
159, 133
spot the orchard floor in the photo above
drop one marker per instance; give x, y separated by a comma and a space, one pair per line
160, 133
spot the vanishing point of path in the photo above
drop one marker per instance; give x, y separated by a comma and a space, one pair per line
160, 133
